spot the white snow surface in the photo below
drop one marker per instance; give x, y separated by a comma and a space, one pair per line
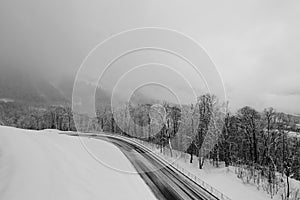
46, 165
225, 180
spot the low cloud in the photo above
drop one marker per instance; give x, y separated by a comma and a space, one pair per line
254, 44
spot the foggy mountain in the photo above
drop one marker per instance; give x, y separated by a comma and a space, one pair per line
27, 87
22, 86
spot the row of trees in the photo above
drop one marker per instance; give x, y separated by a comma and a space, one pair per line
37, 118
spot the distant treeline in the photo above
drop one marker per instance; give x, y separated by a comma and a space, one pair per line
29, 117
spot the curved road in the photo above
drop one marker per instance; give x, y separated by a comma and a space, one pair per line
165, 181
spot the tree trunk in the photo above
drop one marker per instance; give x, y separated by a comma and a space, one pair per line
191, 159
288, 187
170, 145
255, 148
201, 160
218, 157
227, 155
112, 123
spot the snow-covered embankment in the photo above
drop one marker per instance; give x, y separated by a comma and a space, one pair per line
46, 165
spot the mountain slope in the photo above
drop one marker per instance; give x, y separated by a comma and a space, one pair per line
22, 86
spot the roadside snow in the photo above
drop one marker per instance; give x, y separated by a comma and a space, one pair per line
46, 165
225, 180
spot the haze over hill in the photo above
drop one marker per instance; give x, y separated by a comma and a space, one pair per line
17, 84
255, 44
20, 85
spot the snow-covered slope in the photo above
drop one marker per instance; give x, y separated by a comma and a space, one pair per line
46, 165
224, 179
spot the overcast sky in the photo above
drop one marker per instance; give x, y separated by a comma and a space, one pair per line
255, 44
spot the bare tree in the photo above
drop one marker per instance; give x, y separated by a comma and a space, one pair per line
268, 125
249, 124
204, 109
185, 137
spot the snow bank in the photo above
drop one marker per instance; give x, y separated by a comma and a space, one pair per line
46, 165
225, 180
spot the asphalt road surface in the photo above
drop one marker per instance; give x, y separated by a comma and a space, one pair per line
165, 181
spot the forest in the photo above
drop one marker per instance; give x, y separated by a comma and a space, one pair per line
266, 143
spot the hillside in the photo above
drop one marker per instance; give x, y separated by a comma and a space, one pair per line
60, 168
21, 86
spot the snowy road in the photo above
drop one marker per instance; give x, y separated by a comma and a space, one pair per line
164, 181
